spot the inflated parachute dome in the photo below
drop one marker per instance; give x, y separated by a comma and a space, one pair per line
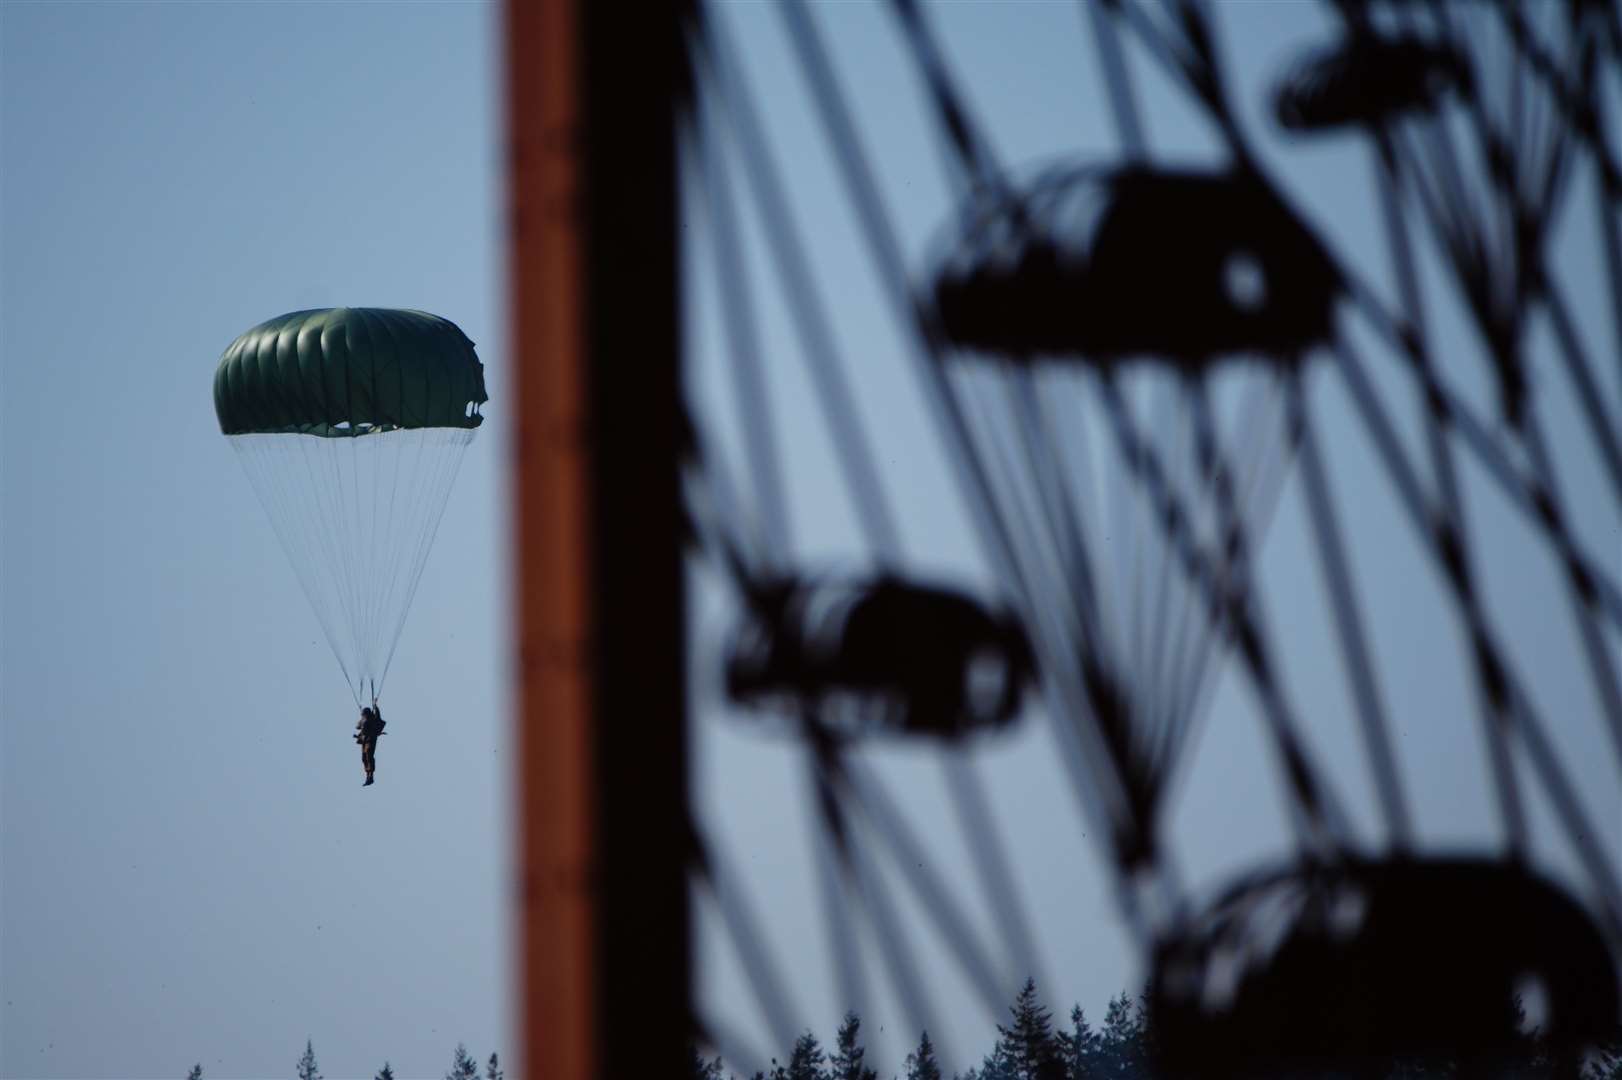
351, 424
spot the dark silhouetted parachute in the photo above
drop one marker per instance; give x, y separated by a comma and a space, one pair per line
1444, 953
1133, 262
351, 424
1181, 301
1368, 80
880, 656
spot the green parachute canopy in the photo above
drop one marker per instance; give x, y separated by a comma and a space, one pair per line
337, 372
356, 516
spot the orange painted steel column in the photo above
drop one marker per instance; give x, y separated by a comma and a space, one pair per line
552, 554
594, 96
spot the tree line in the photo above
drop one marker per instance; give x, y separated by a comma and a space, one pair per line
463, 1067
1032, 1047
1029, 1047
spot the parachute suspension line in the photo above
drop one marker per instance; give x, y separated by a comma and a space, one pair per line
363, 539
347, 524
312, 522
400, 538
1156, 670
404, 529
331, 522
392, 616
375, 448
451, 464
1152, 614
358, 565
1079, 544
313, 516
391, 538
392, 541
363, 454
1025, 508
403, 538
277, 457
1258, 475
1125, 511
359, 533
352, 526
1089, 468
992, 447
259, 460
1040, 451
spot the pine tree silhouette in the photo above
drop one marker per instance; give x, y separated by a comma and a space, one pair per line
196, 1072
1606, 1062
463, 1067
805, 1063
921, 1063
492, 1069
385, 1073
846, 1061
1078, 1047
1121, 1044
1027, 1048
307, 1069
699, 1069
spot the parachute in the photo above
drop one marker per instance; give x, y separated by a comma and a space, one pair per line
351, 424
884, 655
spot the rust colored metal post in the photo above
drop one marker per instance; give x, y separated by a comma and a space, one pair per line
594, 94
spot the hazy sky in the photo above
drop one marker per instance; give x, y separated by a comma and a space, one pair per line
189, 868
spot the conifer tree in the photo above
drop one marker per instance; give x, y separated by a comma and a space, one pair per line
1078, 1047
1026, 1049
805, 1063
846, 1061
196, 1072
1121, 1050
699, 1069
463, 1067
921, 1063
307, 1069
997, 1065
385, 1073
1606, 1062
492, 1069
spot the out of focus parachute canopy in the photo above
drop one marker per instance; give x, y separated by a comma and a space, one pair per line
1113, 264
1368, 80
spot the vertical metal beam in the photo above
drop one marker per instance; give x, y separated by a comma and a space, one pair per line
593, 98
552, 552
634, 95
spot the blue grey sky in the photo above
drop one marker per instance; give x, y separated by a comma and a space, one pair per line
189, 869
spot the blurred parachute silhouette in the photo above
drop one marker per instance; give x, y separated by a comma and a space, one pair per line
351, 424
1260, 984
1187, 294
881, 656
1367, 80
1085, 263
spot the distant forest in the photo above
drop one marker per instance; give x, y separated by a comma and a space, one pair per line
1028, 1047
1031, 1047
463, 1067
